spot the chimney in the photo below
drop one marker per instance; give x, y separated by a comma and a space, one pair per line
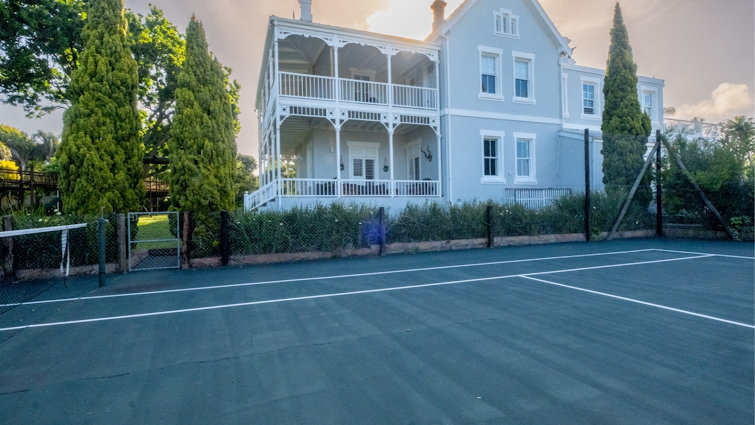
306, 10
439, 14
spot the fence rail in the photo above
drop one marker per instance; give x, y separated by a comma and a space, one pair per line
307, 86
415, 97
363, 92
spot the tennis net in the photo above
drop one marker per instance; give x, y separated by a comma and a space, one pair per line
32, 260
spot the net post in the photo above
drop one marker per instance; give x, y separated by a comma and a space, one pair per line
122, 251
101, 244
225, 251
8, 226
588, 189
658, 193
381, 222
186, 237
491, 233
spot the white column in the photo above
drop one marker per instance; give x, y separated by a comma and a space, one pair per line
277, 156
338, 158
390, 148
439, 159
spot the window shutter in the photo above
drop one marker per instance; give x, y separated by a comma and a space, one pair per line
369, 167
498, 24
505, 23
515, 26
358, 172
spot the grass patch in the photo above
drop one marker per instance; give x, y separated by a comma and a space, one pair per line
154, 227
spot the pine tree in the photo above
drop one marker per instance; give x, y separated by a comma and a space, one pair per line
202, 144
625, 126
100, 155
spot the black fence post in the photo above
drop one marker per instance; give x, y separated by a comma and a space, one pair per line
588, 200
381, 223
225, 249
101, 244
658, 194
9, 266
491, 232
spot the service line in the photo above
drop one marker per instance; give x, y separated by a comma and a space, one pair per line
341, 294
305, 279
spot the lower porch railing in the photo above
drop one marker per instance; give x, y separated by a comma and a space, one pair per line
534, 199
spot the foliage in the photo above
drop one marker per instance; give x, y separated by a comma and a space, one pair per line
718, 172
159, 50
39, 147
6, 165
625, 126
101, 154
202, 144
738, 136
246, 180
40, 43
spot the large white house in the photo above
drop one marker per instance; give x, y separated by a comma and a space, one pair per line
489, 106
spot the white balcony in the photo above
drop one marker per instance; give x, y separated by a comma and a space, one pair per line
322, 88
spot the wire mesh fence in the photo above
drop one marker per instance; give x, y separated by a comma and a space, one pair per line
154, 241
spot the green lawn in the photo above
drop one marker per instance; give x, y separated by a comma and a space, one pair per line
154, 227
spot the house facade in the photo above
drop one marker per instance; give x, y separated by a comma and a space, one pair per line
490, 106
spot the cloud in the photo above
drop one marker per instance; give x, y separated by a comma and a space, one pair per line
726, 102
407, 18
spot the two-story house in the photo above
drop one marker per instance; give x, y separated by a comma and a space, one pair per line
489, 105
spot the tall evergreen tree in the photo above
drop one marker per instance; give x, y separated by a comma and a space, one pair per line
625, 126
203, 143
100, 156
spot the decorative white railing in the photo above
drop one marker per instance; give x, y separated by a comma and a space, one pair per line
415, 97
416, 188
260, 196
308, 86
363, 92
534, 199
691, 129
366, 92
308, 187
365, 188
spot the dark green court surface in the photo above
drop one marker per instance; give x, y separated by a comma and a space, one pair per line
626, 332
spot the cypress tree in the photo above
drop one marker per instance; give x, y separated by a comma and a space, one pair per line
203, 142
625, 126
100, 155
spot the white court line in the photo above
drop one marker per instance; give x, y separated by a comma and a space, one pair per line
703, 253
237, 285
641, 302
311, 297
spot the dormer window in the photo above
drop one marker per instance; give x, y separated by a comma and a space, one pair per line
506, 24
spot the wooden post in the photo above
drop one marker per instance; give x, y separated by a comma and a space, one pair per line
32, 195
588, 189
122, 248
225, 251
381, 223
658, 196
632, 192
101, 223
491, 233
9, 267
700, 191
186, 247
21, 188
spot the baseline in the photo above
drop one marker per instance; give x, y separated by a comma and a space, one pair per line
640, 302
237, 285
339, 294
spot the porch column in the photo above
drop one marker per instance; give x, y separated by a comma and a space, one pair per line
390, 149
278, 158
277, 149
338, 159
440, 168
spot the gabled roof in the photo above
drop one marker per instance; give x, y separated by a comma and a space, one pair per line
534, 4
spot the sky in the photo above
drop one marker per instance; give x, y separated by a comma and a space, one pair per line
703, 49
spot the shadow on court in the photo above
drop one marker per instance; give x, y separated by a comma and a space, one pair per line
623, 332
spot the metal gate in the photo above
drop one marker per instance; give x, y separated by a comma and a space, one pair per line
154, 241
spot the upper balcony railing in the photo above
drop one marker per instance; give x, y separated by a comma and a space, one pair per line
691, 129
356, 91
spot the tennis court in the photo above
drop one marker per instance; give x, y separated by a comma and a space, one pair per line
623, 332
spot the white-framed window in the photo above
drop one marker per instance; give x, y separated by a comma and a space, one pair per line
413, 162
524, 77
505, 23
649, 101
590, 98
492, 156
525, 158
363, 159
565, 95
490, 73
